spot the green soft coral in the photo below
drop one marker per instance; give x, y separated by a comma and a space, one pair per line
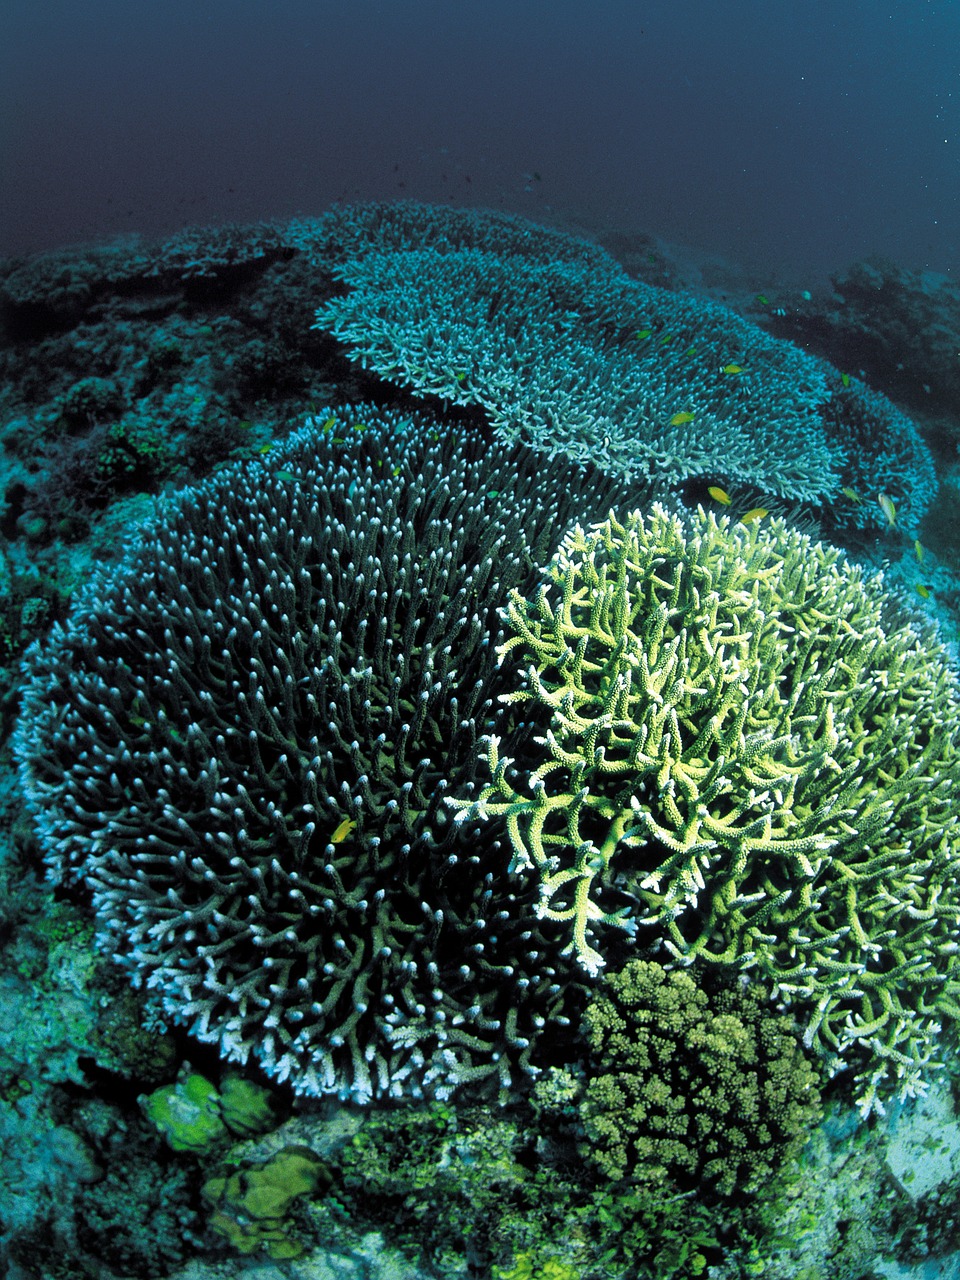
749, 759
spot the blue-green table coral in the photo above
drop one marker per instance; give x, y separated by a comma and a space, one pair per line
748, 757
559, 347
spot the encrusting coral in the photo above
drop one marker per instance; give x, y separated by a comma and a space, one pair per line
748, 758
252, 1205
689, 1085
193, 1115
242, 739
560, 348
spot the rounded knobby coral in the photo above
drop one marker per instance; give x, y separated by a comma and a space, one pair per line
747, 759
242, 738
687, 1084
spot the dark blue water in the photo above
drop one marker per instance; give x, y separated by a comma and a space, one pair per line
790, 135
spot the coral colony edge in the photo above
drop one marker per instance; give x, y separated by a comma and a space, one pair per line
502, 798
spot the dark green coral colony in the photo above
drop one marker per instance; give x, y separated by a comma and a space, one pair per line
242, 740
690, 1084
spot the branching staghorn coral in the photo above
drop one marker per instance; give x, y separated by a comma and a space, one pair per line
242, 738
747, 759
562, 349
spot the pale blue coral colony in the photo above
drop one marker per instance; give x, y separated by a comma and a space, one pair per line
274, 741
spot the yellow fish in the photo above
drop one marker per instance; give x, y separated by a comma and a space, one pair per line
644, 333
918, 551
329, 424
755, 513
265, 448
732, 368
851, 494
679, 419
922, 591
342, 831
719, 495
845, 379
888, 508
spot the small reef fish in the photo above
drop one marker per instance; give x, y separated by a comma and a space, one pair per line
923, 592
644, 333
719, 495
285, 476
732, 368
888, 508
679, 419
755, 513
851, 494
342, 831
918, 550
845, 379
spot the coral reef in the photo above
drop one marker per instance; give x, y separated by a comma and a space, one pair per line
351, 231
565, 351
243, 737
54, 289
186, 1113
138, 366
900, 327
748, 757
450, 1183
689, 1084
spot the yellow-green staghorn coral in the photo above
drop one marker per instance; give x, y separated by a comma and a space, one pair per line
747, 758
